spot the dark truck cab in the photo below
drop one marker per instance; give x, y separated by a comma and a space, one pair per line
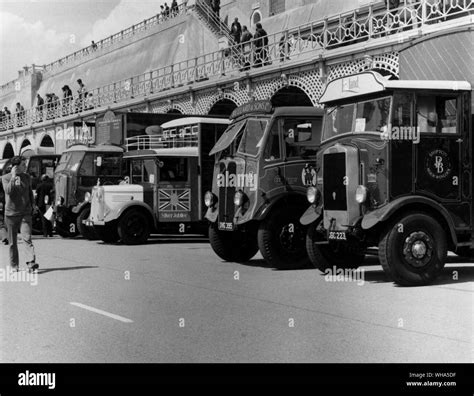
261, 173
394, 171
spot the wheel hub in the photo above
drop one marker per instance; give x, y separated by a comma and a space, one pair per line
291, 237
418, 249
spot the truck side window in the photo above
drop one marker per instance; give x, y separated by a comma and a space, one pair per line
402, 109
437, 114
301, 137
447, 111
149, 171
272, 150
174, 170
137, 171
87, 167
427, 118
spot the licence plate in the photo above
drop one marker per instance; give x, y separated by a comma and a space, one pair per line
88, 223
337, 236
225, 226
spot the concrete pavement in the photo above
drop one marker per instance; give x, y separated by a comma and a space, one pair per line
173, 300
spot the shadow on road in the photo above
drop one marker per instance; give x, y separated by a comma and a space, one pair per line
260, 263
163, 240
46, 270
451, 274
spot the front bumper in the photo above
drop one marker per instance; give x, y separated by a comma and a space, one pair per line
92, 223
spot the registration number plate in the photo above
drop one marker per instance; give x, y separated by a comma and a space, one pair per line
225, 226
337, 236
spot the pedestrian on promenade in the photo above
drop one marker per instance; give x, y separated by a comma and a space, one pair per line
246, 45
39, 107
19, 203
236, 30
261, 46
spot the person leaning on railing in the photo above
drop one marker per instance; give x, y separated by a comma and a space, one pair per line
39, 108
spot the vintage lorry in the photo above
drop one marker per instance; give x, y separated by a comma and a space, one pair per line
260, 178
162, 187
394, 169
94, 155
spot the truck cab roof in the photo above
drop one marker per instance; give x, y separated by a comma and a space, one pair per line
370, 82
105, 148
174, 152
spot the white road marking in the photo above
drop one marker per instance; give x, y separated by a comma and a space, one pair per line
100, 312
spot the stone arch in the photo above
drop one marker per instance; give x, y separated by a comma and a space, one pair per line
290, 96
386, 63
46, 140
223, 107
25, 143
8, 150
166, 107
206, 100
308, 82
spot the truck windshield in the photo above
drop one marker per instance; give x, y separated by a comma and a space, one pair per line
110, 164
70, 161
369, 116
252, 137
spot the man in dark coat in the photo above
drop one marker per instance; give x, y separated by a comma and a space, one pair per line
236, 30
261, 46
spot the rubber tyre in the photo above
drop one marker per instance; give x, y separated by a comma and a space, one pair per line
237, 246
86, 231
134, 228
271, 233
396, 265
108, 233
324, 257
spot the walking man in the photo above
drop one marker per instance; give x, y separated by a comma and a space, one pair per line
18, 210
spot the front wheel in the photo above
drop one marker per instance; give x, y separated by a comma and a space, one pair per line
281, 239
108, 233
413, 250
325, 256
134, 227
235, 246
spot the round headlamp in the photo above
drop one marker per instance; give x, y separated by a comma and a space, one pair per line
312, 194
361, 194
210, 199
87, 197
239, 198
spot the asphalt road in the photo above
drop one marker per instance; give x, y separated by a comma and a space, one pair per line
174, 300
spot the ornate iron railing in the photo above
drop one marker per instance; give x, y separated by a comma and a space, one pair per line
147, 142
299, 43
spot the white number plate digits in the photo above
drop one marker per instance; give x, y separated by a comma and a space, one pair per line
337, 236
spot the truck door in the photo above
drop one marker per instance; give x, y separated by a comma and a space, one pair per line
178, 189
301, 139
438, 155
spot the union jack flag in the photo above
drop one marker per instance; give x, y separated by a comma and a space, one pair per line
174, 200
